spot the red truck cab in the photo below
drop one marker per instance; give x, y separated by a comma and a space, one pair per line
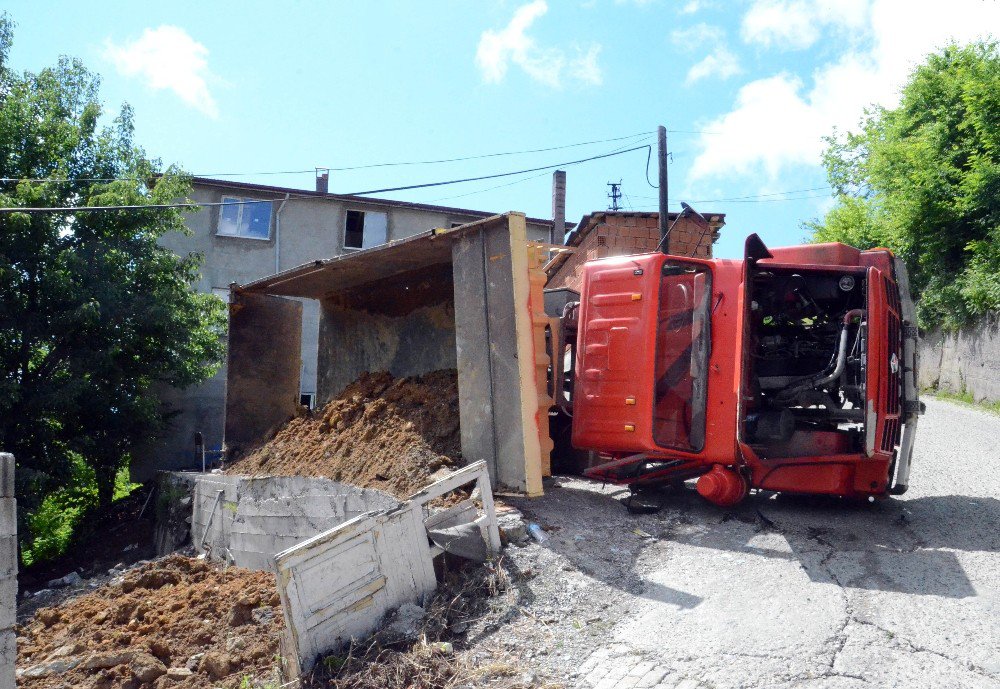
791, 370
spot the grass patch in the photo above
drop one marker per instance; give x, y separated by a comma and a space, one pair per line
964, 397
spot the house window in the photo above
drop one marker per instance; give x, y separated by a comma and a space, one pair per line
364, 229
241, 217
307, 400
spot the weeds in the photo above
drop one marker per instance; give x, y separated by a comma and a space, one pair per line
430, 662
965, 397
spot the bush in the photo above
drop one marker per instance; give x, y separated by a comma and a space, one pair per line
52, 525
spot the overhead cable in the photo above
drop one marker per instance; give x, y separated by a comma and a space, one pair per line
638, 135
497, 175
74, 209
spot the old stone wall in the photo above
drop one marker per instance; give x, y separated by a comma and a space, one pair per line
964, 361
8, 571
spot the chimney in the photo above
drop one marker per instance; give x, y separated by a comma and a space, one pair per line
558, 233
323, 180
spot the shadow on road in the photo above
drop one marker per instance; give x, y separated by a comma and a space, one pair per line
900, 545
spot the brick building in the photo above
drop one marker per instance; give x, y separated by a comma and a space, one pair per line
619, 233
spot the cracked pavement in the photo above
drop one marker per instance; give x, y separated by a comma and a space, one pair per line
779, 591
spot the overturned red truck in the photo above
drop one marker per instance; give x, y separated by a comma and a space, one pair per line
791, 370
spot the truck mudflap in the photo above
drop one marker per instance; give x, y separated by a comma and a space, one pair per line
912, 406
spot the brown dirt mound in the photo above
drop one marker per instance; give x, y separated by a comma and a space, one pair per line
149, 629
380, 432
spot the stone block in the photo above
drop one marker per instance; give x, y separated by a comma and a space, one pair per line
8, 603
8, 556
8, 658
6, 475
8, 517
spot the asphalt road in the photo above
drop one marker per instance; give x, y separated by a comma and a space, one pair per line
778, 592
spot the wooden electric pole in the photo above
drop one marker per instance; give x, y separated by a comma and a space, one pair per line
661, 135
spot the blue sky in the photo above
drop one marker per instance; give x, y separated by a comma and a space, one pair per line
749, 86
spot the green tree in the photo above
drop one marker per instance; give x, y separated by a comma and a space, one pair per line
93, 312
924, 180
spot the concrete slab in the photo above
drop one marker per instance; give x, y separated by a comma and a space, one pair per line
8, 556
770, 611
8, 603
6, 475
254, 518
8, 658
8, 517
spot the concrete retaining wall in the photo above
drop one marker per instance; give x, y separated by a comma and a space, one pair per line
248, 520
964, 361
8, 571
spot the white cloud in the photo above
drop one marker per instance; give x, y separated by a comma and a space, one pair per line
167, 58
512, 44
585, 68
695, 6
693, 37
780, 121
722, 63
798, 24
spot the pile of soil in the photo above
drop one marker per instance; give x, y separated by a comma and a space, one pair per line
380, 432
175, 622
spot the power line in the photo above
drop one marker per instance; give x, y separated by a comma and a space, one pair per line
152, 206
491, 155
497, 186
338, 169
752, 197
500, 174
790, 198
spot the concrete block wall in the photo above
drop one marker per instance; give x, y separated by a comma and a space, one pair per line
964, 361
8, 571
255, 518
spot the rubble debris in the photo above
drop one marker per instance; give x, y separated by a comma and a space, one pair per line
71, 579
435, 654
177, 620
381, 432
403, 624
513, 528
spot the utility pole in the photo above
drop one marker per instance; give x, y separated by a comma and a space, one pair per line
615, 195
661, 135
558, 234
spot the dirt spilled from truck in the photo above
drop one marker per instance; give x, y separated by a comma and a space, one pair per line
178, 621
380, 432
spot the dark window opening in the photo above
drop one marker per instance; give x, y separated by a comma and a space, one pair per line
365, 229
354, 234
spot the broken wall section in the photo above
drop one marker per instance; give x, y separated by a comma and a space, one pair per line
248, 520
8, 571
339, 585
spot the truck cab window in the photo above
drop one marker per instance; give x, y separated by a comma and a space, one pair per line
682, 349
